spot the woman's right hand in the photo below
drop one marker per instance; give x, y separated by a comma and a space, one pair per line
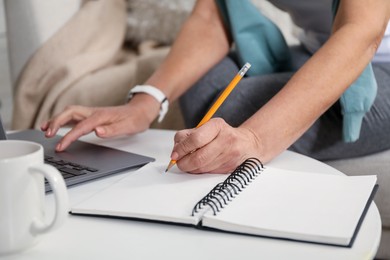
131, 118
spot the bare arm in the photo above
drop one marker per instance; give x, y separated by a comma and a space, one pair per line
201, 43
358, 29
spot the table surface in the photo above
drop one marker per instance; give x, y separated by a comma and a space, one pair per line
95, 238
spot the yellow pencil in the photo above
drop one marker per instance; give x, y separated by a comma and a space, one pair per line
219, 101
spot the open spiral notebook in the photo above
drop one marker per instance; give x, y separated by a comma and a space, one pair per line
253, 200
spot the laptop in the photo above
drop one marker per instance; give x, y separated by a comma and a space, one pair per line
81, 161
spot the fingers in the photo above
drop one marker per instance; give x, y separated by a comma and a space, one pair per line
106, 122
211, 158
44, 126
181, 135
188, 141
82, 128
206, 149
71, 113
122, 127
88, 118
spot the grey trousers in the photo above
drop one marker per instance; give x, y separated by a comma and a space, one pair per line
323, 140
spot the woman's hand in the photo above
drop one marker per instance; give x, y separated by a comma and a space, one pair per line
214, 147
127, 119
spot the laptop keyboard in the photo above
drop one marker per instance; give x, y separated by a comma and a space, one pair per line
68, 169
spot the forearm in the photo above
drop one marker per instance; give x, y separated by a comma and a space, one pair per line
316, 86
201, 43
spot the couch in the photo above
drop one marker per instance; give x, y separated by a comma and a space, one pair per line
31, 22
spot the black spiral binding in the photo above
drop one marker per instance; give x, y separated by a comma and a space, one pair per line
223, 192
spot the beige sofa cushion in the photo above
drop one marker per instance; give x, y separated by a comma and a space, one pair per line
378, 164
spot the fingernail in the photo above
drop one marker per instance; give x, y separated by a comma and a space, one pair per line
174, 156
100, 131
48, 132
43, 125
58, 147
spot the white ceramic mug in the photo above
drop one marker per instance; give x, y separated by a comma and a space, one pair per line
22, 192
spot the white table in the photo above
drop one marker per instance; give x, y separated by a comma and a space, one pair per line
101, 238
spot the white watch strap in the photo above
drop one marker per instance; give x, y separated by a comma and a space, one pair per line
154, 92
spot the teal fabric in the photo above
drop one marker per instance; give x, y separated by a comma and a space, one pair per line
357, 99
257, 39
260, 42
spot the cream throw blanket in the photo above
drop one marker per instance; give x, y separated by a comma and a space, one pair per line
83, 63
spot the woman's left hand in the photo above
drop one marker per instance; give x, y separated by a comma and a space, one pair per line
215, 147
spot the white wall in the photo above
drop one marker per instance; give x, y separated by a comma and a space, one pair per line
2, 24
5, 85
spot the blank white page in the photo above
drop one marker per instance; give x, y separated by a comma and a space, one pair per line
149, 193
304, 206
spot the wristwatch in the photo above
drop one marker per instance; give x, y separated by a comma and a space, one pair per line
154, 92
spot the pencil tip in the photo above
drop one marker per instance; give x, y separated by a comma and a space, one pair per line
169, 167
171, 163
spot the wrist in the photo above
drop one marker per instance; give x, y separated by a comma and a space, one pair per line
154, 93
145, 106
258, 148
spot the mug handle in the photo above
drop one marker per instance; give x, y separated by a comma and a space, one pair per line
57, 184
